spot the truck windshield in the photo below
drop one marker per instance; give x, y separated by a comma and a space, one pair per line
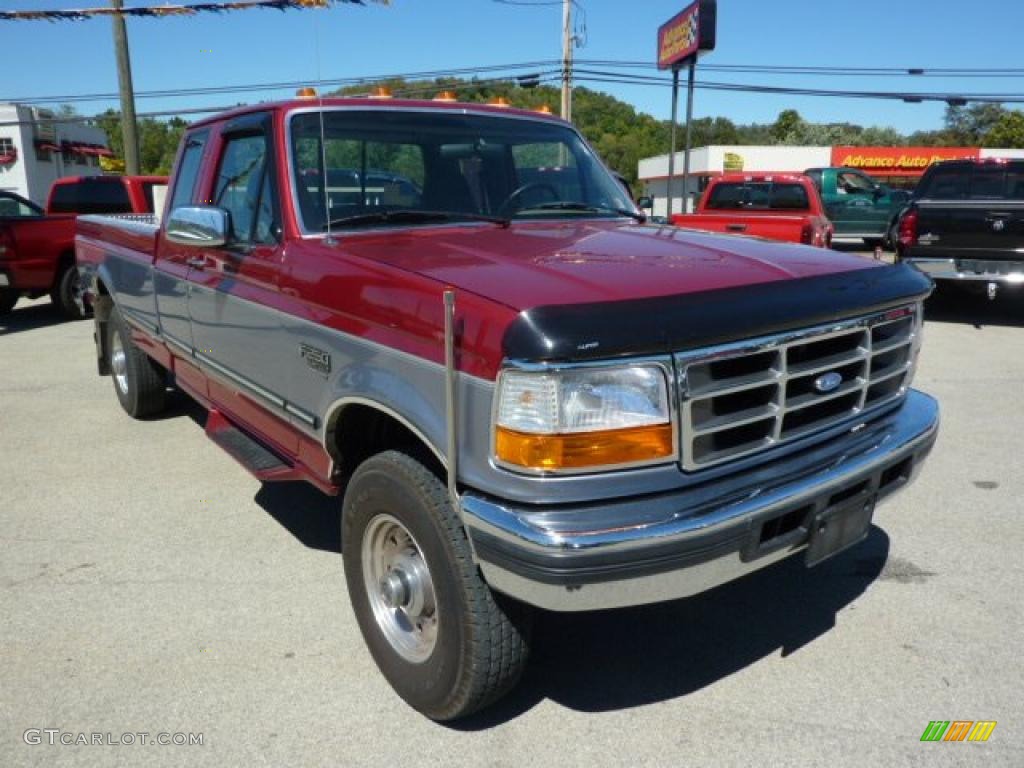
452, 164
757, 196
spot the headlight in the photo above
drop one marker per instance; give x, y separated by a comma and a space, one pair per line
583, 418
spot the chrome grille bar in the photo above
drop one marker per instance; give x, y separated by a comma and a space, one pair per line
740, 399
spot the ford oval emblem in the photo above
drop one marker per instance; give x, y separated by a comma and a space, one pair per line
828, 382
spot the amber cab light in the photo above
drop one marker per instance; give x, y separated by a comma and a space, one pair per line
446, 96
544, 109
381, 93
306, 93
499, 101
584, 450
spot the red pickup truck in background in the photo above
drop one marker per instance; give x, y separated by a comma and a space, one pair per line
37, 247
774, 206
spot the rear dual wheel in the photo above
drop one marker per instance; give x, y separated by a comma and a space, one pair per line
443, 640
139, 383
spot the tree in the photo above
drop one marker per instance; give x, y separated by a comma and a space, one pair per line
158, 140
787, 123
968, 125
1007, 132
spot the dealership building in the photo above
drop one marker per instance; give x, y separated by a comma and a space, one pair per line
35, 149
898, 166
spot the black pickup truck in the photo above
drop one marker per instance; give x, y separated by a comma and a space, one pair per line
965, 223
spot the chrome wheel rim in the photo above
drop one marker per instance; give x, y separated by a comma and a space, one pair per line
119, 363
399, 588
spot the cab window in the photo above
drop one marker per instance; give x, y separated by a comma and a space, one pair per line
245, 190
853, 184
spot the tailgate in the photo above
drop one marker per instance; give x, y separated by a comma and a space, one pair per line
770, 226
986, 229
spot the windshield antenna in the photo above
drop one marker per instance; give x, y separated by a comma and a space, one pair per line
329, 238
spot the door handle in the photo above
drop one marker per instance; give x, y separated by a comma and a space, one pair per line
736, 227
196, 262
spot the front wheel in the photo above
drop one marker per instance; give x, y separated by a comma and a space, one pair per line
446, 644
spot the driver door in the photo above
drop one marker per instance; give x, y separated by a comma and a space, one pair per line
239, 339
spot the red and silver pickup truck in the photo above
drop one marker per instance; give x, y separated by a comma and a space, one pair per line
774, 206
525, 396
37, 248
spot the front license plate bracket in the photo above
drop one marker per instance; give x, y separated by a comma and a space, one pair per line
839, 527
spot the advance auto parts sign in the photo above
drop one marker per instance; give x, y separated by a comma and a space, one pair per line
897, 161
686, 33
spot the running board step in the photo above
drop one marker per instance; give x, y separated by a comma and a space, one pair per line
247, 450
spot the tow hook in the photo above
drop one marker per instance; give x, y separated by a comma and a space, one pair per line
993, 289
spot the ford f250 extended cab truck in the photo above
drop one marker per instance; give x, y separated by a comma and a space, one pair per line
775, 206
965, 224
524, 395
858, 207
37, 248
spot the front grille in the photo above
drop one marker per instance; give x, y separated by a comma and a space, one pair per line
744, 398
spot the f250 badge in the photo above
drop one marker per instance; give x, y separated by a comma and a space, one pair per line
316, 359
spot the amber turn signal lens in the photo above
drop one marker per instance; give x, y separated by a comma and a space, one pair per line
582, 450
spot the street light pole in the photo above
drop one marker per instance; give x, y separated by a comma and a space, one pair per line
129, 130
567, 42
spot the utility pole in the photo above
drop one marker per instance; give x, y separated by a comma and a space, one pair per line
567, 43
129, 130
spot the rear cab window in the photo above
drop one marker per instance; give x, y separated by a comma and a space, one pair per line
188, 169
782, 196
968, 181
92, 194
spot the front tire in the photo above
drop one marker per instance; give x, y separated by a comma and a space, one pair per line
65, 291
138, 382
446, 644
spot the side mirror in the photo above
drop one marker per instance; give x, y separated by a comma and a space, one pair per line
645, 202
201, 226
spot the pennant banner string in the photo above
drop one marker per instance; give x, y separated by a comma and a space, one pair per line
82, 14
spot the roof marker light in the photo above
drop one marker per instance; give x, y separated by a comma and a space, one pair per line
381, 93
446, 96
306, 93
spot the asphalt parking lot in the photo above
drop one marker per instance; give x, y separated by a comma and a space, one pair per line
148, 584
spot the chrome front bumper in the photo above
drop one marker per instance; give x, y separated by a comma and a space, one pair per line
1011, 272
631, 552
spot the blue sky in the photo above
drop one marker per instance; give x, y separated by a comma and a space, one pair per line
44, 59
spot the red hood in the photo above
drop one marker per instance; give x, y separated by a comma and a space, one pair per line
534, 264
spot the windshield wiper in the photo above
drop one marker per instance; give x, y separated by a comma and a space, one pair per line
406, 215
567, 205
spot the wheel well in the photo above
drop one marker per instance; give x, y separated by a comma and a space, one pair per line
360, 431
